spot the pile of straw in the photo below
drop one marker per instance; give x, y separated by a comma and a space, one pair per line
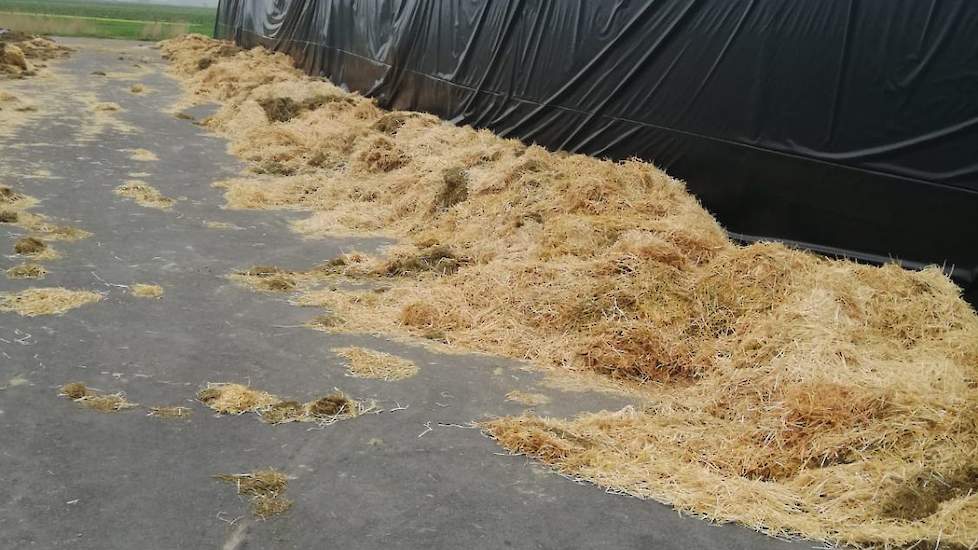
22, 54
785, 391
45, 301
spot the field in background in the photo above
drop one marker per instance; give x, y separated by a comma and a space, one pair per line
105, 20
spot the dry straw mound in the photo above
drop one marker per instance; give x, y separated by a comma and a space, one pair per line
792, 393
366, 363
21, 54
46, 301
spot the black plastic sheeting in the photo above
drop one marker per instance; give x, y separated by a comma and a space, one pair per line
846, 126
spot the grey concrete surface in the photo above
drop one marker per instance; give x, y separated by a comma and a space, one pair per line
75, 478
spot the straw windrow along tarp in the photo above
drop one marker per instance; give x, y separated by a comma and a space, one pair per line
849, 127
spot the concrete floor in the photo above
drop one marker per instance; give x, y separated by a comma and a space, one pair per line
75, 478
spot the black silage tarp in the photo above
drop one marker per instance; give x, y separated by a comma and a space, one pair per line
847, 126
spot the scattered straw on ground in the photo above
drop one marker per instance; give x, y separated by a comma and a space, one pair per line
367, 363
237, 399
792, 393
142, 290
144, 194
104, 402
15, 111
15, 210
45, 301
267, 279
106, 106
26, 271
264, 489
142, 155
526, 398
220, 225
170, 412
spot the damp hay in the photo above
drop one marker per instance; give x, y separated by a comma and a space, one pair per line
26, 271
142, 290
526, 398
791, 393
45, 301
102, 402
366, 363
144, 194
29, 246
264, 489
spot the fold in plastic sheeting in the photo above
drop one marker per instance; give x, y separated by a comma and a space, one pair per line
849, 126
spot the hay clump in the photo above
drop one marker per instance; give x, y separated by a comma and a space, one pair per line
526, 398
238, 399
9, 196
45, 301
332, 406
923, 495
29, 246
267, 278
8, 216
141, 290
144, 194
235, 399
437, 259
26, 271
80, 393
137, 88
264, 488
378, 155
282, 109
454, 189
787, 389
366, 363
